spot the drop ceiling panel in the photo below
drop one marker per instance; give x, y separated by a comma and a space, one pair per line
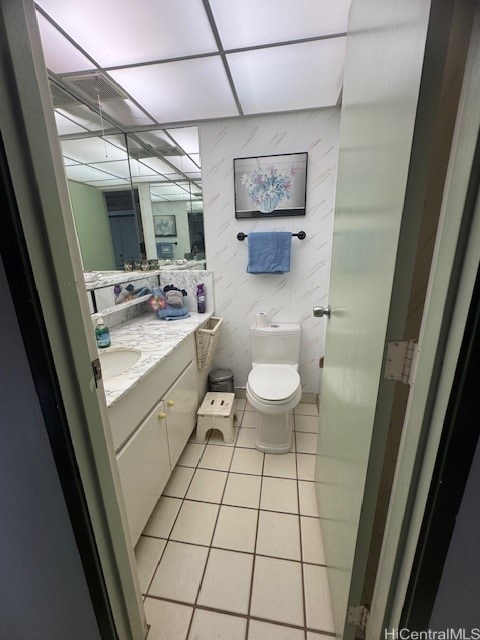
158, 165
243, 23
169, 190
126, 112
194, 175
184, 90
140, 170
183, 163
121, 32
82, 115
84, 173
66, 126
118, 168
92, 150
60, 55
114, 182
196, 158
155, 177
187, 138
292, 77
156, 139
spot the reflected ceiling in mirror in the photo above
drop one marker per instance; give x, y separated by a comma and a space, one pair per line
171, 202
135, 196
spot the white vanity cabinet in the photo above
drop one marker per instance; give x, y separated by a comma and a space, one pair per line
151, 424
181, 404
144, 468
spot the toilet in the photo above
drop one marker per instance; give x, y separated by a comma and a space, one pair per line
273, 385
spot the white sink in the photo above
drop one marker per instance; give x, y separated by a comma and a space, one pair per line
118, 361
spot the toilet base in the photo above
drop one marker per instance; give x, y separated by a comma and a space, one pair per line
273, 433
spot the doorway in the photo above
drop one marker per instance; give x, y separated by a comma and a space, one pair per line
126, 229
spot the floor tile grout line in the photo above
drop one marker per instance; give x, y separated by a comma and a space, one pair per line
255, 474
248, 553
211, 540
304, 600
235, 614
258, 509
239, 506
247, 629
171, 528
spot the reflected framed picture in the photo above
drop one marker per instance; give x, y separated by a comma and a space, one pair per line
270, 186
165, 226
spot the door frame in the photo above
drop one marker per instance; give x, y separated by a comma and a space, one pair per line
40, 189
449, 294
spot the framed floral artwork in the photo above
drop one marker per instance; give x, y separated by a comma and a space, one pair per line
165, 226
270, 186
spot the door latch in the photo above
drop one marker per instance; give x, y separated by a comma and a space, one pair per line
97, 371
319, 312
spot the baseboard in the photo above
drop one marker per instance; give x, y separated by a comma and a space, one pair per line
309, 398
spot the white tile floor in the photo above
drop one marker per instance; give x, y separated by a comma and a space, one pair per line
234, 549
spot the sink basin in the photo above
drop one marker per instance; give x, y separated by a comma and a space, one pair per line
118, 361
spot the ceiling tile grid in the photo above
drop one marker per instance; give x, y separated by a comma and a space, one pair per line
189, 60
172, 63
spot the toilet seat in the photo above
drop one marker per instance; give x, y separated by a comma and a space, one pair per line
274, 388
274, 382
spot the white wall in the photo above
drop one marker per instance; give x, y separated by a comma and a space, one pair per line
289, 297
179, 210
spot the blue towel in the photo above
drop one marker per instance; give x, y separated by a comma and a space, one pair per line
269, 252
172, 313
187, 315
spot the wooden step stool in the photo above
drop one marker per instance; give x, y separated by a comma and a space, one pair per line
216, 412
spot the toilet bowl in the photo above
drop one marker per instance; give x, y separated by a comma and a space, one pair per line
273, 385
274, 391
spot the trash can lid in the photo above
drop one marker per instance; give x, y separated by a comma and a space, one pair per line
220, 375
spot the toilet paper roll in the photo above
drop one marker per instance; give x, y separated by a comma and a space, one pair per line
261, 319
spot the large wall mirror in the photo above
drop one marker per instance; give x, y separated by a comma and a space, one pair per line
136, 196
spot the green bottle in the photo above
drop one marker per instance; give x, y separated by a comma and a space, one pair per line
102, 334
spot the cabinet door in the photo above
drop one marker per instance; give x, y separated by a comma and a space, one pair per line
144, 468
181, 404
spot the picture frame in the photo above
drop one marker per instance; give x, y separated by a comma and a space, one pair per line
270, 186
165, 226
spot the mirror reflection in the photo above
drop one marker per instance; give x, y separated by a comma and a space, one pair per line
137, 197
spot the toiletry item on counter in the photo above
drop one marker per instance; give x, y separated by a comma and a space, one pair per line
261, 319
165, 310
174, 295
102, 334
201, 298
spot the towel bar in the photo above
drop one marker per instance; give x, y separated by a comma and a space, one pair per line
301, 235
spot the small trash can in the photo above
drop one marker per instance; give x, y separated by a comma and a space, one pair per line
221, 380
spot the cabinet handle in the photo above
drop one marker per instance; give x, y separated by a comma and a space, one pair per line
170, 403
162, 416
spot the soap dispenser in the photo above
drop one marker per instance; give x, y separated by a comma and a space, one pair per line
102, 334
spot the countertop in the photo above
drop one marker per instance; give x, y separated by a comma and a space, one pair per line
155, 338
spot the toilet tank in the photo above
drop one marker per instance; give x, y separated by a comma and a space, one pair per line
276, 343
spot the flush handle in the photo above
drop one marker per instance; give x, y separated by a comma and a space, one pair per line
319, 312
162, 416
170, 403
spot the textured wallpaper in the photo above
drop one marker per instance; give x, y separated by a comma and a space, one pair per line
291, 296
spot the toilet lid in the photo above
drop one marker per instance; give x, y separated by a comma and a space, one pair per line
274, 381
